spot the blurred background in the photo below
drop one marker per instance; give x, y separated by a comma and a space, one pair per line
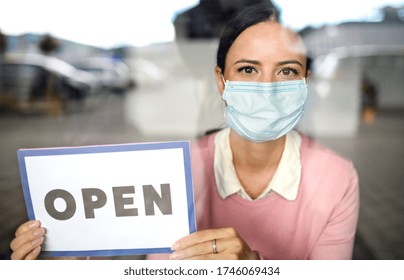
106, 72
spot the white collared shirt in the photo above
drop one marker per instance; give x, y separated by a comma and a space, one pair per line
285, 180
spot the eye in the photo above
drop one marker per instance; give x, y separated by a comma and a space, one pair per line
288, 71
248, 70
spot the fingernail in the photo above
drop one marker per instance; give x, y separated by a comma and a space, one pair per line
33, 224
36, 251
37, 241
175, 246
173, 256
38, 232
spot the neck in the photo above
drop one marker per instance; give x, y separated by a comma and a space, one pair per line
256, 156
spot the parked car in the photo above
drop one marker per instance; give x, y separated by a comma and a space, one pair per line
27, 76
113, 75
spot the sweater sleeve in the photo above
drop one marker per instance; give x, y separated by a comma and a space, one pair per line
337, 239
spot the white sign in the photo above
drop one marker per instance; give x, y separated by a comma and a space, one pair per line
110, 200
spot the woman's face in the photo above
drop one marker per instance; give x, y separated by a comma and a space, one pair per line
265, 52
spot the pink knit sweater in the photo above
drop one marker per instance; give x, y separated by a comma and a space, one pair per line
319, 224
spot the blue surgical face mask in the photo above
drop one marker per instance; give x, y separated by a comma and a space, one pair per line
261, 111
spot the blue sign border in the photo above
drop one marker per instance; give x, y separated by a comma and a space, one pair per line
184, 145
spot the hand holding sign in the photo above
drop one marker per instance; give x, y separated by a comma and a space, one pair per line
27, 242
213, 244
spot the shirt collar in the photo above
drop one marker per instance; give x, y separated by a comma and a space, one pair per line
285, 180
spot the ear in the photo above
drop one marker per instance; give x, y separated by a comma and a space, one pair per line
219, 79
308, 75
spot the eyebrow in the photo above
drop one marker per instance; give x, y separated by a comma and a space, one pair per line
290, 62
256, 62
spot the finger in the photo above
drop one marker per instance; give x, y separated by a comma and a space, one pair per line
203, 236
33, 255
27, 226
26, 237
196, 250
29, 250
204, 250
210, 257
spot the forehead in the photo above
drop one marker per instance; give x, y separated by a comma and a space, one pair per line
268, 39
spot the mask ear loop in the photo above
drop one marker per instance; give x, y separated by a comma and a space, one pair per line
224, 88
224, 82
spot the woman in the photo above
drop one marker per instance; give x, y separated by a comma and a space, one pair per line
262, 190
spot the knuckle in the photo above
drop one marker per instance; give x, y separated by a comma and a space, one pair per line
17, 255
12, 245
21, 229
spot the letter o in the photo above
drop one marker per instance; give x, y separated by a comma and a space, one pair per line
50, 204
